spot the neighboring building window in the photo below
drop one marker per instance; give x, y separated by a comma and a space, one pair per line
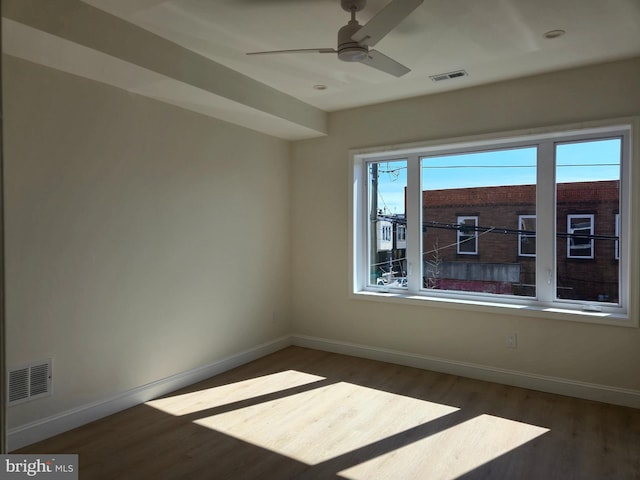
527, 236
401, 236
384, 236
580, 239
467, 236
527, 259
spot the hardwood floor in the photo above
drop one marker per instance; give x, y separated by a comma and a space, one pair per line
307, 414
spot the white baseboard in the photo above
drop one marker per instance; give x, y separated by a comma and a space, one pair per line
47, 427
560, 386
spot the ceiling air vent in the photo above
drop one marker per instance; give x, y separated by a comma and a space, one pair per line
29, 382
448, 76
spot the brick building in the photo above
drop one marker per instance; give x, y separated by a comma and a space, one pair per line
483, 240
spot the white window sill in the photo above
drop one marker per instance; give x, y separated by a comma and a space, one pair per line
537, 311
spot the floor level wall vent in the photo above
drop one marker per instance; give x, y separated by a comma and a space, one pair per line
29, 382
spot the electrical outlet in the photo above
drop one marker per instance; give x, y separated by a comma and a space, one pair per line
512, 340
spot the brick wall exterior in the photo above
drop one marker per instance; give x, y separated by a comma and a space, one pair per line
500, 207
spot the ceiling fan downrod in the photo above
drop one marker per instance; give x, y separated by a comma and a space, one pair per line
353, 5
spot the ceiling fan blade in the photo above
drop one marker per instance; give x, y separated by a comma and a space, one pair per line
297, 50
385, 64
385, 21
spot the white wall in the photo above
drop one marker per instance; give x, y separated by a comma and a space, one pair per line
142, 240
597, 354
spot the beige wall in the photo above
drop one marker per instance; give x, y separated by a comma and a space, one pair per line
142, 240
597, 354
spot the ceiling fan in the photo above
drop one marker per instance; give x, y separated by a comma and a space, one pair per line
354, 39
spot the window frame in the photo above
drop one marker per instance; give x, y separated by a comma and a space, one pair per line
616, 253
542, 306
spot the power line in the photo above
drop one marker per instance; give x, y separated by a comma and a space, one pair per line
492, 229
521, 166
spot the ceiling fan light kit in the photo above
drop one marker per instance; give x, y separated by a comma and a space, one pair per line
354, 39
348, 50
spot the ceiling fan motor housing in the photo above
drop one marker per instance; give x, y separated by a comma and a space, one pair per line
348, 50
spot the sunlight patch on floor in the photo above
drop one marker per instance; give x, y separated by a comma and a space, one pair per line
450, 453
199, 400
320, 424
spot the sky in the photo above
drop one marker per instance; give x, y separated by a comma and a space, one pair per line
583, 161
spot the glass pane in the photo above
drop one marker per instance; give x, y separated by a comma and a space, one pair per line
387, 224
473, 209
587, 207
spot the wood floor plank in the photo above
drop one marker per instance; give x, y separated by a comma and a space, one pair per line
307, 414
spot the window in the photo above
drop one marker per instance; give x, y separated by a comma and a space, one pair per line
580, 236
588, 192
467, 243
386, 235
385, 194
524, 221
401, 235
475, 253
527, 236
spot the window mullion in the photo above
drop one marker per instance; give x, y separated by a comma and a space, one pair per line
545, 223
626, 239
414, 224
358, 202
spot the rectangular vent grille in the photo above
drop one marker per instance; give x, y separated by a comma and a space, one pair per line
448, 76
29, 382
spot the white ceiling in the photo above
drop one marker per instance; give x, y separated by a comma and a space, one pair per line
492, 40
